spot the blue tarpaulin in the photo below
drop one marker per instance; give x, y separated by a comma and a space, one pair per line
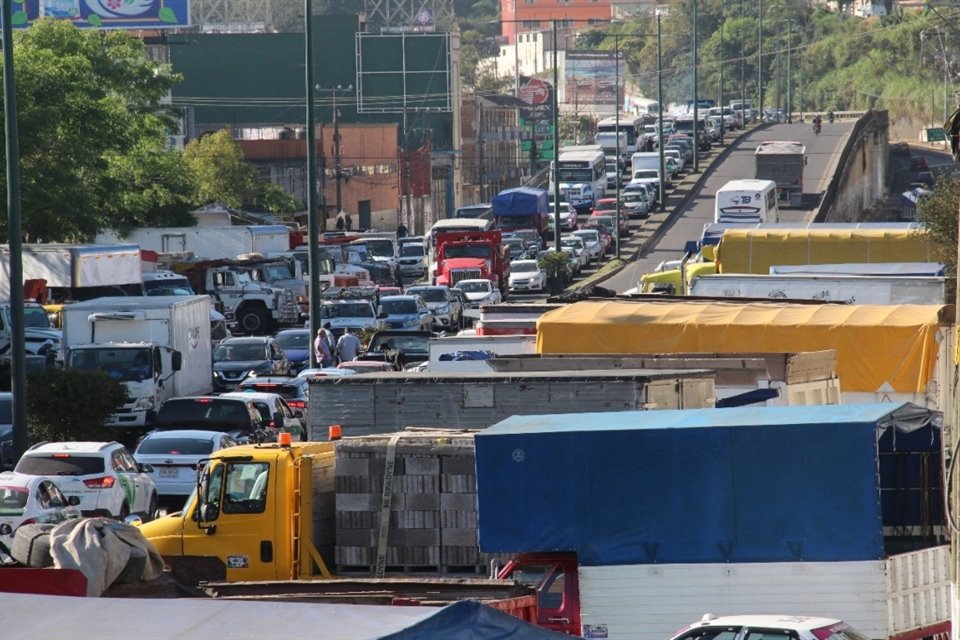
745, 484
521, 201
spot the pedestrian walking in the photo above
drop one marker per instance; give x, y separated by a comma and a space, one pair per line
401, 231
322, 350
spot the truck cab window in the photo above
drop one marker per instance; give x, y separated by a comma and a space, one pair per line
245, 487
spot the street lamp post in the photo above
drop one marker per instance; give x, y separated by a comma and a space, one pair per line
696, 99
336, 144
556, 143
661, 195
789, 77
616, 128
313, 224
760, 58
720, 96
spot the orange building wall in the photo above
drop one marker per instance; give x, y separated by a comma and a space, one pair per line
515, 12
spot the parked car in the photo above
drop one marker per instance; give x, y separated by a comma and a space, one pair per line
568, 215
235, 416
479, 292
102, 475
296, 391
407, 312
236, 358
918, 163
636, 203
609, 222
6, 431
525, 275
413, 259
26, 499
274, 411
413, 347
579, 245
296, 345
176, 458
596, 244
446, 309
767, 627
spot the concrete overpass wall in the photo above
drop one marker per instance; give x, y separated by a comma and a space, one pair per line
859, 178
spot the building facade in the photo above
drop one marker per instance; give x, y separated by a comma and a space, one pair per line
491, 137
532, 15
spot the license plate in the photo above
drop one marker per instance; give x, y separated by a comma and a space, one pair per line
168, 472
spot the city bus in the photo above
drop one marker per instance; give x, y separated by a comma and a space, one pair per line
582, 173
747, 201
630, 124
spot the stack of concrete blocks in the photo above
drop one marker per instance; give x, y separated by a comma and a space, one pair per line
433, 505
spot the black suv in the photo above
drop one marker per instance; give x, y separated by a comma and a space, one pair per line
238, 417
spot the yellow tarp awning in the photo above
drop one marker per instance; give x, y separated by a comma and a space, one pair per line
876, 345
756, 250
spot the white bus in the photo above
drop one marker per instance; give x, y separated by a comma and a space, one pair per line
747, 201
582, 173
630, 124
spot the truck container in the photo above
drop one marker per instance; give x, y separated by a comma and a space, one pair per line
885, 290
755, 251
76, 272
671, 514
884, 353
918, 269
521, 208
783, 162
158, 346
386, 402
208, 243
472, 255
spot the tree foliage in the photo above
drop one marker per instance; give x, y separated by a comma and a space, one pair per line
90, 113
71, 405
938, 213
220, 172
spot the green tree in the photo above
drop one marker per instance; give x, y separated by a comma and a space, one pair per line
88, 103
937, 213
71, 405
271, 197
219, 170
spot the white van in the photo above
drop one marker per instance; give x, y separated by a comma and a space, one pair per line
747, 201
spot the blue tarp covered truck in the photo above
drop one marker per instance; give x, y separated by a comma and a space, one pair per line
521, 208
636, 523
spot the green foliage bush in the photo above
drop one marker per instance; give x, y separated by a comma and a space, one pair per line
71, 405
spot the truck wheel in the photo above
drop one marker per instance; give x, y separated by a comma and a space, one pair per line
254, 321
153, 508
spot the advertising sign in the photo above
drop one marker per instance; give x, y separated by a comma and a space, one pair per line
105, 14
590, 77
538, 119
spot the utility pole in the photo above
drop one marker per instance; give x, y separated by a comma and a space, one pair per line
616, 128
662, 194
776, 62
556, 144
481, 143
338, 171
743, 77
760, 59
696, 99
720, 97
789, 82
18, 356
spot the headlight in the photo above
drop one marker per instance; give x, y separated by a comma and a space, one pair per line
412, 322
218, 374
445, 308
143, 404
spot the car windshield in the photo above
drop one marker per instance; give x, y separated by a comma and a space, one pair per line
398, 306
644, 175
168, 287
589, 235
379, 248
430, 295
408, 344
119, 364
242, 352
632, 196
346, 310
35, 318
474, 287
294, 339
274, 272
179, 446
412, 250
59, 464
523, 266
466, 251
570, 242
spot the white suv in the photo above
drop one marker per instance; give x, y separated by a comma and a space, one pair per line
103, 475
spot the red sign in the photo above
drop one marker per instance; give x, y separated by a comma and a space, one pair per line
534, 91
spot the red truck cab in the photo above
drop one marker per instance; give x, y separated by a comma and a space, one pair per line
555, 577
471, 255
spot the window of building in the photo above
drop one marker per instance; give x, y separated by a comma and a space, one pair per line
531, 24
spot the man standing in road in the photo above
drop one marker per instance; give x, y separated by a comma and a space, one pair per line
322, 349
348, 346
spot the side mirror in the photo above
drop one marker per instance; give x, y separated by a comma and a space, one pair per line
145, 468
278, 421
73, 501
176, 360
209, 511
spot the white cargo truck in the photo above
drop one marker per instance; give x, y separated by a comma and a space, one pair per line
157, 346
209, 243
849, 289
77, 271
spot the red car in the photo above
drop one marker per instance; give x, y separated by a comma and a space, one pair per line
918, 163
606, 205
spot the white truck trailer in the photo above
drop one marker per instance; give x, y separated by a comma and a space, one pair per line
209, 243
158, 346
849, 289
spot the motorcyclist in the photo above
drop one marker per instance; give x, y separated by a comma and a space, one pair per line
817, 123
830, 116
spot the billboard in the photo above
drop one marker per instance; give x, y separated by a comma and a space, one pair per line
538, 119
105, 14
591, 77
403, 71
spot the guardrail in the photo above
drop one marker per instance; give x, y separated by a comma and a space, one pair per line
869, 119
837, 115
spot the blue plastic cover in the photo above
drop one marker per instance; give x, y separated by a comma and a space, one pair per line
745, 484
470, 620
521, 201
467, 355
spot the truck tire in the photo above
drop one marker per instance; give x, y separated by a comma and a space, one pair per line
253, 321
